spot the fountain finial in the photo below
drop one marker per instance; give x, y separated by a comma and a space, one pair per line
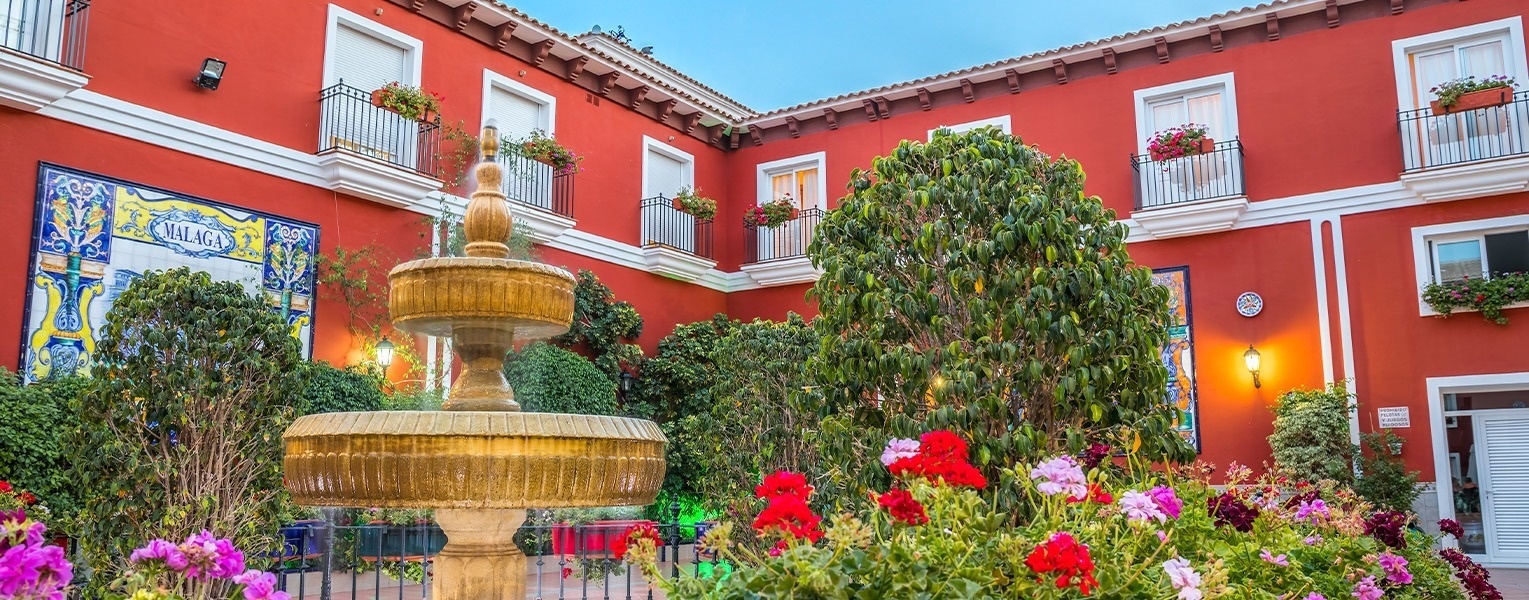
487, 221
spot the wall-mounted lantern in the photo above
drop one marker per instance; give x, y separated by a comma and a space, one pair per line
384, 354
1254, 363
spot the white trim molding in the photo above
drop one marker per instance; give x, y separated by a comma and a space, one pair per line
1003, 122
675, 263
493, 80
767, 170
1225, 82
28, 83
1191, 218
687, 160
544, 225
337, 16
785, 271
1422, 259
1469, 180
375, 180
1437, 387
1513, 27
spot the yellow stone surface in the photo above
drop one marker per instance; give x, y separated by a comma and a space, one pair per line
433, 296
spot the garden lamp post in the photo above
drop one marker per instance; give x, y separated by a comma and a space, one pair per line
384, 354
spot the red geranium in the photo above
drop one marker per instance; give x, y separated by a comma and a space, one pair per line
1096, 494
791, 516
28, 499
630, 537
1068, 560
5, 487
783, 483
903, 507
942, 455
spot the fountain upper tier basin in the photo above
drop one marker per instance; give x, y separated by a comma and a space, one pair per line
465, 459
438, 296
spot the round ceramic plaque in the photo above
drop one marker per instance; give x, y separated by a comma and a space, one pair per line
1250, 304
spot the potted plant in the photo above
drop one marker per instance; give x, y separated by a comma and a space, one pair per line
773, 213
1469, 93
583, 532
544, 149
1178, 142
401, 533
690, 202
408, 101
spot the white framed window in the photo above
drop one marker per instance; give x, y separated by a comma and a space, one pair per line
1209, 101
1002, 122
800, 176
519, 109
368, 55
1477, 249
665, 169
1482, 50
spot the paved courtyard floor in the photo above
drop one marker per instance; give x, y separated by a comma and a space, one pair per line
1513, 583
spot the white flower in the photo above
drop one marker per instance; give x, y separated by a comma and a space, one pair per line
897, 449
1183, 578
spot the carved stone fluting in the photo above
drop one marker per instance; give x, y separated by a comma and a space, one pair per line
480, 550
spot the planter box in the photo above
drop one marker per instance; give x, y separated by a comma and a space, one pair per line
427, 117
593, 539
299, 539
1207, 146
383, 542
1475, 100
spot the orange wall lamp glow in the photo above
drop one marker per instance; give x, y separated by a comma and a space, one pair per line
1253, 362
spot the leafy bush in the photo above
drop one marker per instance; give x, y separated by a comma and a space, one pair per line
603, 326
969, 284
1101, 533
1383, 478
332, 390
547, 378
32, 454
180, 426
1311, 434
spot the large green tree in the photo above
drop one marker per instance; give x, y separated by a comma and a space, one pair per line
180, 428
968, 283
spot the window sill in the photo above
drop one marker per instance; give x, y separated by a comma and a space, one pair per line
1191, 218
1469, 180
28, 83
675, 263
782, 271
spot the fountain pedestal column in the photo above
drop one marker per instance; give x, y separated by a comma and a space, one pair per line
480, 560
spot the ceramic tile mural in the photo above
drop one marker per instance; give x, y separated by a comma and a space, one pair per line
95, 235
1178, 355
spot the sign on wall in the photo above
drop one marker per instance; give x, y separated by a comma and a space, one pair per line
94, 235
1178, 354
1394, 417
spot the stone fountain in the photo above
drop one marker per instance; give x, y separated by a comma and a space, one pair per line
479, 461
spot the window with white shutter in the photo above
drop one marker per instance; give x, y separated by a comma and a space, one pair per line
666, 174
518, 110
361, 57
366, 62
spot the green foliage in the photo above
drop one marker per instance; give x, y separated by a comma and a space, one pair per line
1489, 296
332, 390
547, 378
603, 327
180, 426
1311, 435
414, 398
1383, 478
1449, 92
519, 241
677, 380
32, 454
969, 284
766, 416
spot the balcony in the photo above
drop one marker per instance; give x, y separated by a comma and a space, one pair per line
374, 153
1467, 154
675, 244
778, 255
42, 51
1190, 195
540, 198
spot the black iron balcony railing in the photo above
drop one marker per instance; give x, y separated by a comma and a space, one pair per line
1208, 176
350, 123
787, 240
1430, 140
537, 184
52, 30
665, 225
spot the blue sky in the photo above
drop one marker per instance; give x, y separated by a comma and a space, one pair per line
775, 53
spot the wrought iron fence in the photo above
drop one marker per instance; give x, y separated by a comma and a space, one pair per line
1430, 140
52, 30
349, 122
1206, 176
534, 183
665, 225
327, 562
787, 240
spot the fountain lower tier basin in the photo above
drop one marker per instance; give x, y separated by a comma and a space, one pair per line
472, 460
440, 296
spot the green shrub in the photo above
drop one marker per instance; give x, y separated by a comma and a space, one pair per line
603, 327
32, 455
550, 379
332, 390
968, 283
1311, 435
1383, 478
180, 426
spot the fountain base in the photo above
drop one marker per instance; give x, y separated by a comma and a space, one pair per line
480, 560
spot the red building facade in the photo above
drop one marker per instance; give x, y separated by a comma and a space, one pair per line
1330, 196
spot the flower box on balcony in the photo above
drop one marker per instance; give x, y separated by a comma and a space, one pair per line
1475, 100
427, 115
